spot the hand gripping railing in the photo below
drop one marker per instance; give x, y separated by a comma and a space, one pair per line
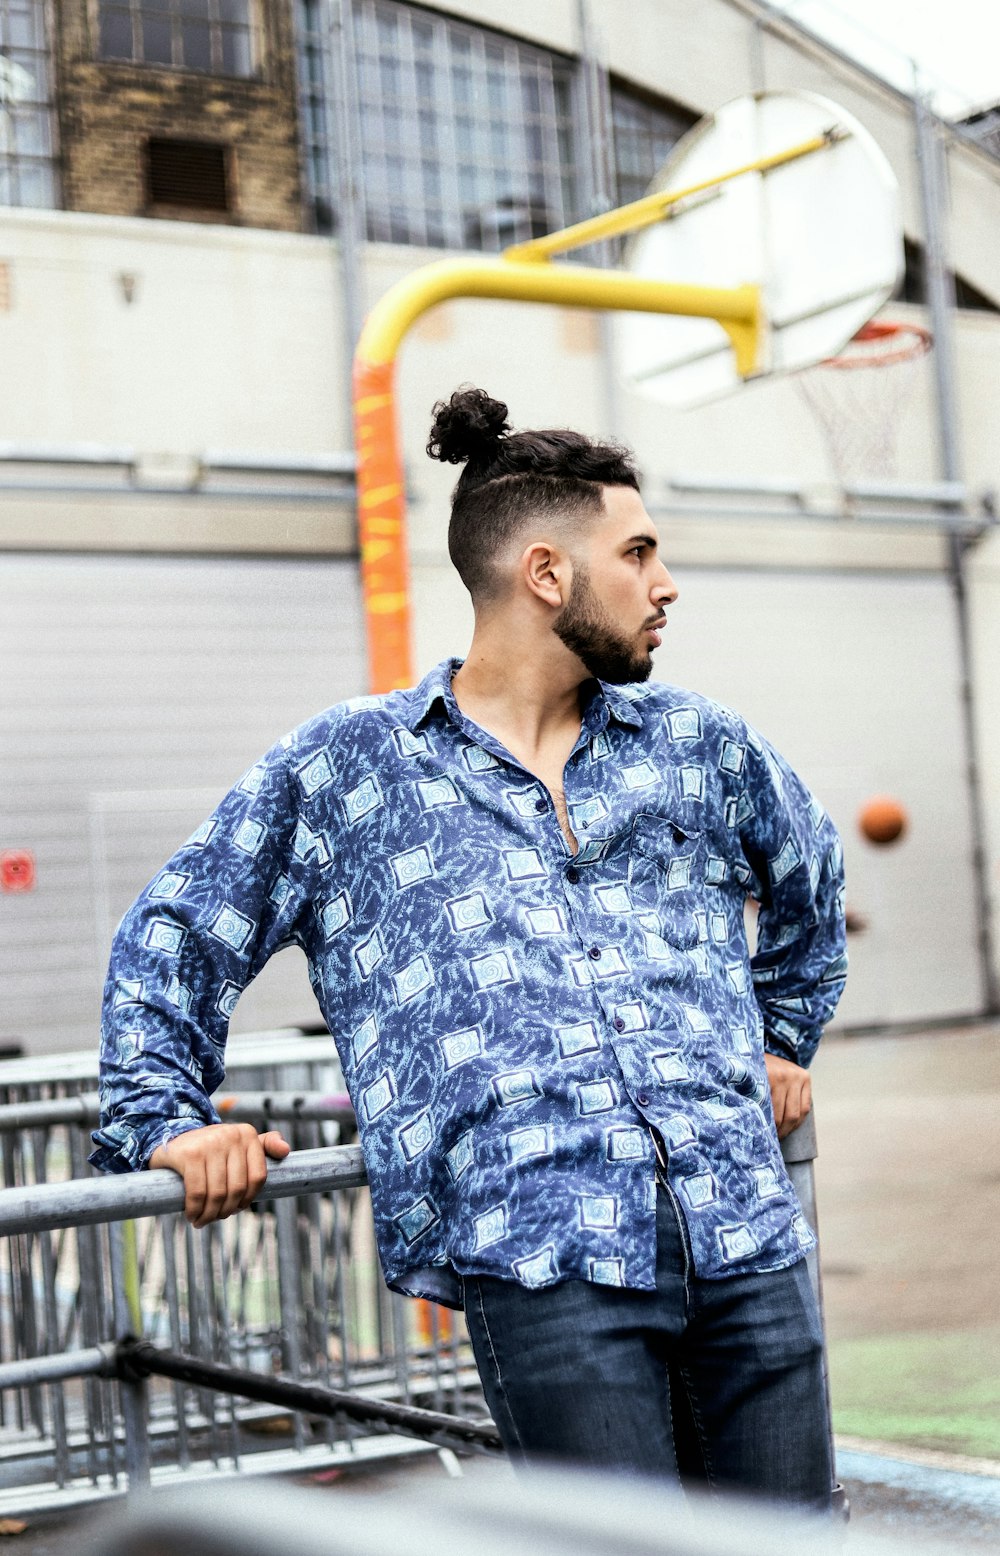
45, 1207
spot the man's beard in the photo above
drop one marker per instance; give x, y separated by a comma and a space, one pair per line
586, 628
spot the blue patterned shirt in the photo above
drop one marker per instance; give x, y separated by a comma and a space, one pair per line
510, 1016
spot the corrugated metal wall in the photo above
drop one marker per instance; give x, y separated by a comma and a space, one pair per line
133, 692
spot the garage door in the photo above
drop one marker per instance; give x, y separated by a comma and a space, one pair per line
134, 691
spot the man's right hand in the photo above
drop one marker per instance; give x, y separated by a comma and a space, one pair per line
223, 1167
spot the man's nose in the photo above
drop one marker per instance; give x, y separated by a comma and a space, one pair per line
664, 591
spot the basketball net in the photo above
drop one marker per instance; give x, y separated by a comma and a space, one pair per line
858, 397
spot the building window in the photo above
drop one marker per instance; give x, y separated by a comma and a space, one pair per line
465, 136
314, 93
645, 133
913, 287
27, 163
215, 36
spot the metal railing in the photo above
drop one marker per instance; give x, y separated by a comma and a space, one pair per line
292, 1287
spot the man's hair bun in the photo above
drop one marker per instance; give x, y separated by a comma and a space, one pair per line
469, 426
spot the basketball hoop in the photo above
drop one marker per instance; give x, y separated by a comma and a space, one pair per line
857, 409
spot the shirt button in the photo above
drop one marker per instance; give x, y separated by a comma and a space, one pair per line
643, 1099
594, 953
619, 1024
541, 805
572, 875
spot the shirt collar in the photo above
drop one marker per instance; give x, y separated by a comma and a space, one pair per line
601, 700
620, 708
435, 687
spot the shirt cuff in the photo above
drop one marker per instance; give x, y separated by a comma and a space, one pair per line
124, 1147
796, 1043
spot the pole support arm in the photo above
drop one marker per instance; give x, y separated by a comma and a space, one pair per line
737, 309
653, 208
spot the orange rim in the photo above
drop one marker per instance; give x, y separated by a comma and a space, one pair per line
902, 342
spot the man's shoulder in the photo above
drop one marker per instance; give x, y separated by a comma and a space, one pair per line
686, 713
356, 722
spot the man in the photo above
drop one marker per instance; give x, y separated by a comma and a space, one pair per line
520, 888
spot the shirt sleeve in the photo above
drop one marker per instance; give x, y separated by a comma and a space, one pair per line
236, 892
794, 853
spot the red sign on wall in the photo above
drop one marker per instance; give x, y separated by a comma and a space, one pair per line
17, 870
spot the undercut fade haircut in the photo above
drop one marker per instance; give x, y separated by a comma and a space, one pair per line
511, 478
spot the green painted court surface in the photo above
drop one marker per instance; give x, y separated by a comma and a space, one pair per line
921, 1390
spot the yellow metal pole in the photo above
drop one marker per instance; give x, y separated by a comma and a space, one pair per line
380, 488
654, 207
737, 309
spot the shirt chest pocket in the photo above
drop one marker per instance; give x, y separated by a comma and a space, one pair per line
666, 876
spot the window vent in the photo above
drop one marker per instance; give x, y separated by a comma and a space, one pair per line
187, 173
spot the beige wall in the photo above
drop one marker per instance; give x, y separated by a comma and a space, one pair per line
232, 338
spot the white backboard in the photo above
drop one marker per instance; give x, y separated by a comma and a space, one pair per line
820, 235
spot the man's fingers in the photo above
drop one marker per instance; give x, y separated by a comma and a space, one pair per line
195, 1190
795, 1104
215, 1193
256, 1164
223, 1167
798, 1104
236, 1179
791, 1093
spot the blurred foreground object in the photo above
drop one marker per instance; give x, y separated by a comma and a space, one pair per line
882, 819
542, 1513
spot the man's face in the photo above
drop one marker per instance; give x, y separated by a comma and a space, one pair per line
620, 587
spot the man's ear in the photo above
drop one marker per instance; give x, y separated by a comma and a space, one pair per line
547, 573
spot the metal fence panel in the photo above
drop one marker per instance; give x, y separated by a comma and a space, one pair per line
291, 1286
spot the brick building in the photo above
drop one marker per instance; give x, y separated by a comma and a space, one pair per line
221, 110
182, 108
186, 110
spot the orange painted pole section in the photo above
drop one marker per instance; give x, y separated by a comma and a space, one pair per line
382, 526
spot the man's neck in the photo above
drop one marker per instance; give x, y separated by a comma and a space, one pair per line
530, 703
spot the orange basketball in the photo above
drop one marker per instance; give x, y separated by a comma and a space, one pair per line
882, 819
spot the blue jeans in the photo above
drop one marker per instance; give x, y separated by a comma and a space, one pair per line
719, 1381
